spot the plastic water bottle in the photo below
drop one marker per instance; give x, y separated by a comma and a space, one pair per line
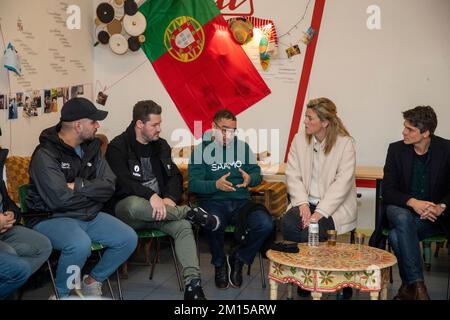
313, 233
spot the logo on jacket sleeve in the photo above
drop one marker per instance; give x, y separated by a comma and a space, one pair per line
65, 165
136, 170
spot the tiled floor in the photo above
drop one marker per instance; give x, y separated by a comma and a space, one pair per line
164, 285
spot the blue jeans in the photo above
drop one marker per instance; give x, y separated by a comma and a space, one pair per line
22, 252
259, 223
73, 238
406, 232
28, 244
14, 272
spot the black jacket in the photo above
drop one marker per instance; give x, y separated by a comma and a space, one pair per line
397, 179
121, 156
54, 164
8, 204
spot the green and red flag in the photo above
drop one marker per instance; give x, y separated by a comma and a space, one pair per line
196, 58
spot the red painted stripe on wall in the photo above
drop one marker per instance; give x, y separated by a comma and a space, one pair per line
307, 66
360, 183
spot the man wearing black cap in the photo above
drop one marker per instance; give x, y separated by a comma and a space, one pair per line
70, 179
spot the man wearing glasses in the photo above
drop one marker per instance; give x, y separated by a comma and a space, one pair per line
221, 169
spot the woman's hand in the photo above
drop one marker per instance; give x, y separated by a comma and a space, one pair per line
305, 214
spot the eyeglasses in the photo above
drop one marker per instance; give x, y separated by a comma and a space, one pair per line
231, 131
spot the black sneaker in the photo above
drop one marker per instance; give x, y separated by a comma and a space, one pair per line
221, 276
201, 217
235, 271
194, 290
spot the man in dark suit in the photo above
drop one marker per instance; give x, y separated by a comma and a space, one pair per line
416, 192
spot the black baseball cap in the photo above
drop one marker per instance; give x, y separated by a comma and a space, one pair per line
80, 108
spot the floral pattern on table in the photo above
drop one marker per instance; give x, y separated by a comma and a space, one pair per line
330, 268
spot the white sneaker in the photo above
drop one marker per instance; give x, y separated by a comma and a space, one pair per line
91, 290
52, 297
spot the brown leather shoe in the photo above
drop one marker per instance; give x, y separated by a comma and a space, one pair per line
406, 292
420, 291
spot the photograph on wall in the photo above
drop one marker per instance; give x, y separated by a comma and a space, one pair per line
65, 94
29, 110
292, 51
12, 108
36, 101
2, 102
47, 101
101, 98
54, 99
19, 99
76, 91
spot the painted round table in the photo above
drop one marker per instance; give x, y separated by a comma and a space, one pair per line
330, 268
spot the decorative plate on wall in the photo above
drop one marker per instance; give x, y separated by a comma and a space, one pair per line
120, 25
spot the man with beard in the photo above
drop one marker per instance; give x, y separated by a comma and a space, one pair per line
71, 180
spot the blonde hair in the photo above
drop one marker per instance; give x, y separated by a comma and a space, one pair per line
326, 111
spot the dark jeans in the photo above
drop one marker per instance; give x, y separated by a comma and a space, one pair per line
406, 231
292, 226
259, 223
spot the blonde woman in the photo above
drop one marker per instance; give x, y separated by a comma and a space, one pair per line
320, 175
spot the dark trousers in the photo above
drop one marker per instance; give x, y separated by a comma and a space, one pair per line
406, 231
293, 228
259, 223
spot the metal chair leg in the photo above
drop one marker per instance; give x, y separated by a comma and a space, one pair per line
196, 236
427, 255
263, 273
50, 269
448, 283
177, 270
438, 246
107, 279
119, 287
152, 270
391, 277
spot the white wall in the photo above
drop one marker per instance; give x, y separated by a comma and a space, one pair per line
39, 19
374, 75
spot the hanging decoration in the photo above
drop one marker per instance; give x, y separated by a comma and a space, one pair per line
293, 49
120, 25
308, 35
12, 59
241, 29
244, 30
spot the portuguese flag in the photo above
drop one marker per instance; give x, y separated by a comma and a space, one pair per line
201, 66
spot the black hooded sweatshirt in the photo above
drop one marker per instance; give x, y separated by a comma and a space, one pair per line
54, 164
122, 156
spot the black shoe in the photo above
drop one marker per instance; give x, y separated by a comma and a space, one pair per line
221, 276
235, 271
303, 293
194, 290
201, 217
